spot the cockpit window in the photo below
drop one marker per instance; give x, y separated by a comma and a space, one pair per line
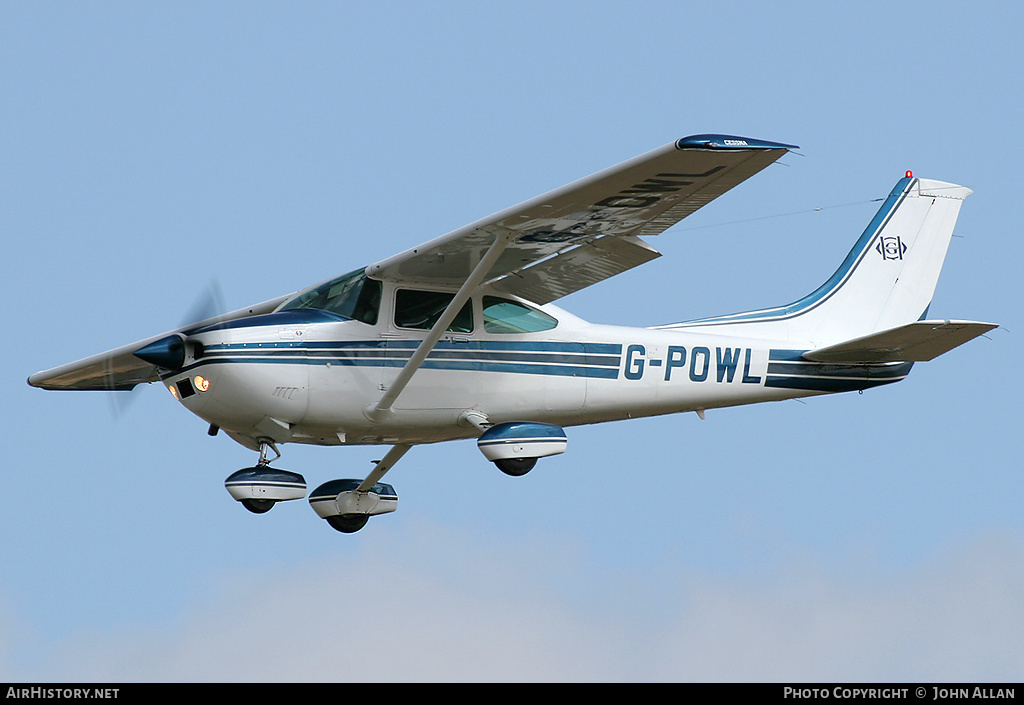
505, 316
351, 295
421, 309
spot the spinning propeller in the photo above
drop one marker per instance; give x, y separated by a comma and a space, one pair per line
168, 352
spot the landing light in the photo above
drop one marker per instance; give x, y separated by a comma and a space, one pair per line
173, 391
202, 384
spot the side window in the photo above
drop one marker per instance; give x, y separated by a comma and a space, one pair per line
504, 316
421, 309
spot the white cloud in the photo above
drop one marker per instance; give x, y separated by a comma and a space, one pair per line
453, 608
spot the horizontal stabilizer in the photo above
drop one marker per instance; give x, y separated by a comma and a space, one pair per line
915, 342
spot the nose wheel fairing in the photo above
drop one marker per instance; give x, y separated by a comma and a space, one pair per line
259, 488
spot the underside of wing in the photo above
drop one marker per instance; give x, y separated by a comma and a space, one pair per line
589, 230
576, 268
120, 369
114, 370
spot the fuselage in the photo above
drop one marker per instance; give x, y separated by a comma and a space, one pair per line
311, 376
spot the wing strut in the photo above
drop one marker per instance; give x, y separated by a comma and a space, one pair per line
392, 457
382, 408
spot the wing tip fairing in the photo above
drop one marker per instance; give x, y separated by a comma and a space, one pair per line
728, 142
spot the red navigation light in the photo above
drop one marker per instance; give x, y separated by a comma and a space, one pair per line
910, 174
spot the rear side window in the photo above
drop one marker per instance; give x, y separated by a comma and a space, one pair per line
505, 316
421, 309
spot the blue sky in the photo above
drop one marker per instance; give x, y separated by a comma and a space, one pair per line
150, 149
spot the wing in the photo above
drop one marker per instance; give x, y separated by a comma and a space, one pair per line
120, 369
589, 230
551, 246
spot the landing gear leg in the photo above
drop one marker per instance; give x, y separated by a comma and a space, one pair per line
262, 506
265, 446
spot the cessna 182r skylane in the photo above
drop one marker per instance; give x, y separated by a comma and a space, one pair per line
457, 338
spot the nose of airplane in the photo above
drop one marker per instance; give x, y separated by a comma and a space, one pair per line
168, 353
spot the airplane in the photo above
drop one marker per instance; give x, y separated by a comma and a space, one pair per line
458, 338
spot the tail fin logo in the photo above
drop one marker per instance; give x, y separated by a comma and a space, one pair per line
891, 247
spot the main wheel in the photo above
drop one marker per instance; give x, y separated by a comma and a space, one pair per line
348, 523
258, 506
516, 467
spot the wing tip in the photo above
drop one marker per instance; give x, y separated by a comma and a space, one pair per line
39, 380
728, 142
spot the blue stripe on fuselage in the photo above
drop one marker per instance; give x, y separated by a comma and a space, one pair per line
596, 360
787, 369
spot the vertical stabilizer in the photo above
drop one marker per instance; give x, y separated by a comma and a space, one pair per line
886, 281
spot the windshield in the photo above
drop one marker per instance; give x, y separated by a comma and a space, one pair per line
351, 295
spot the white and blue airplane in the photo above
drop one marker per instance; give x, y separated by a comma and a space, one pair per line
457, 338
